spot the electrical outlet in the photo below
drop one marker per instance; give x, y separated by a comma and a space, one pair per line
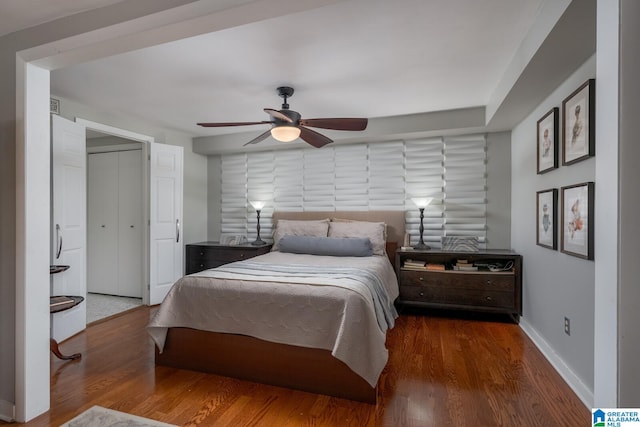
567, 326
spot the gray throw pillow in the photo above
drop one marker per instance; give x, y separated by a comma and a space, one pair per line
331, 246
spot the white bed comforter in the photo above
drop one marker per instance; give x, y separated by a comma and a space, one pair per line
329, 311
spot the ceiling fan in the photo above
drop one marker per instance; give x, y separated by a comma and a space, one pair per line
287, 125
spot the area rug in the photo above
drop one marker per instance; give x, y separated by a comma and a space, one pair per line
97, 416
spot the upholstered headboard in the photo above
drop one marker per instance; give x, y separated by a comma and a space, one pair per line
393, 219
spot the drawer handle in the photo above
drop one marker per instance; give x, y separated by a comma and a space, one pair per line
201, 253
421, 278
421, 294
201, 265
489, 282
489, 299
241, 255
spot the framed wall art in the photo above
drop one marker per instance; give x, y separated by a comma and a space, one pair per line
547, 135
577, 220
578, 124
547, 218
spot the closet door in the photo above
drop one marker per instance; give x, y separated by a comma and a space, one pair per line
130, 223
69, 225
102, 271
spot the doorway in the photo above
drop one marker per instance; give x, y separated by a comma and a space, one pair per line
115, 238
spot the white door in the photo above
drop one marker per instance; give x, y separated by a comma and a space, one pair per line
165, 205
69, 237
130, 203
102, 223
115, 259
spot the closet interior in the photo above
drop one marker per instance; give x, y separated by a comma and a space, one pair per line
115, 201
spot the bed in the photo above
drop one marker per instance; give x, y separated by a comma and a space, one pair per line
298, 320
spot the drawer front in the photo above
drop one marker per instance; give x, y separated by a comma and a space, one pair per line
194, 266
470, 297
204, 257
457, 280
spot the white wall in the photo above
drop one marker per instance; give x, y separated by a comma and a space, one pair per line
629, 318
195, 165
608, 208
555, 284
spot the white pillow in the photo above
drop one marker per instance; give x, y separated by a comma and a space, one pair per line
288, 227
375, 231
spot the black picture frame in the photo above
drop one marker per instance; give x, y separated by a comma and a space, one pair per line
577, 207
546, 141
578, 124
547, 218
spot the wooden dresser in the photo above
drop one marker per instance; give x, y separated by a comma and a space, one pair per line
482, 290
204, 255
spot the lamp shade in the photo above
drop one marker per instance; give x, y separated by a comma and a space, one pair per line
422, 202
257, 204
285, 133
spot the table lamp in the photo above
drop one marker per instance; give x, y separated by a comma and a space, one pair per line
258, 205
421, 203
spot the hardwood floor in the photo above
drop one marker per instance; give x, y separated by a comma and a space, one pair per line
442, 371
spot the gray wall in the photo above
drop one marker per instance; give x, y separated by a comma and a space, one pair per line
214, 195
498, 192
555, 284
629, 296
7, 221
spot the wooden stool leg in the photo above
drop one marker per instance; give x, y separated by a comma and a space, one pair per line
53, 345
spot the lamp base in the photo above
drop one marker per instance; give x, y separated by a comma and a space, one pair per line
421, 247
258, 242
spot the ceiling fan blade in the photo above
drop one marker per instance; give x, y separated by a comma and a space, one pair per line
259, 138
336, 124
278, 115
313, 138
219, 125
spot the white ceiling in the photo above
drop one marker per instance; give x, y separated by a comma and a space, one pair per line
357, 58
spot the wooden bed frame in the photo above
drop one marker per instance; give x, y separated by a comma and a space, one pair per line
253, 359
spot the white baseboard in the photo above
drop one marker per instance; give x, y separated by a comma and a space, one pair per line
7, 411
576, 384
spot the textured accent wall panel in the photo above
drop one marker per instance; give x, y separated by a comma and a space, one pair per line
373, 176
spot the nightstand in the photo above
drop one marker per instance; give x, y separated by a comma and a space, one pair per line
205, 255
475, 290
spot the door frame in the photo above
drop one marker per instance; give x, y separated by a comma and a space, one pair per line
145, 140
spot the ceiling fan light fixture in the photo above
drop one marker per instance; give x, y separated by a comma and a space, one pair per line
285, 133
